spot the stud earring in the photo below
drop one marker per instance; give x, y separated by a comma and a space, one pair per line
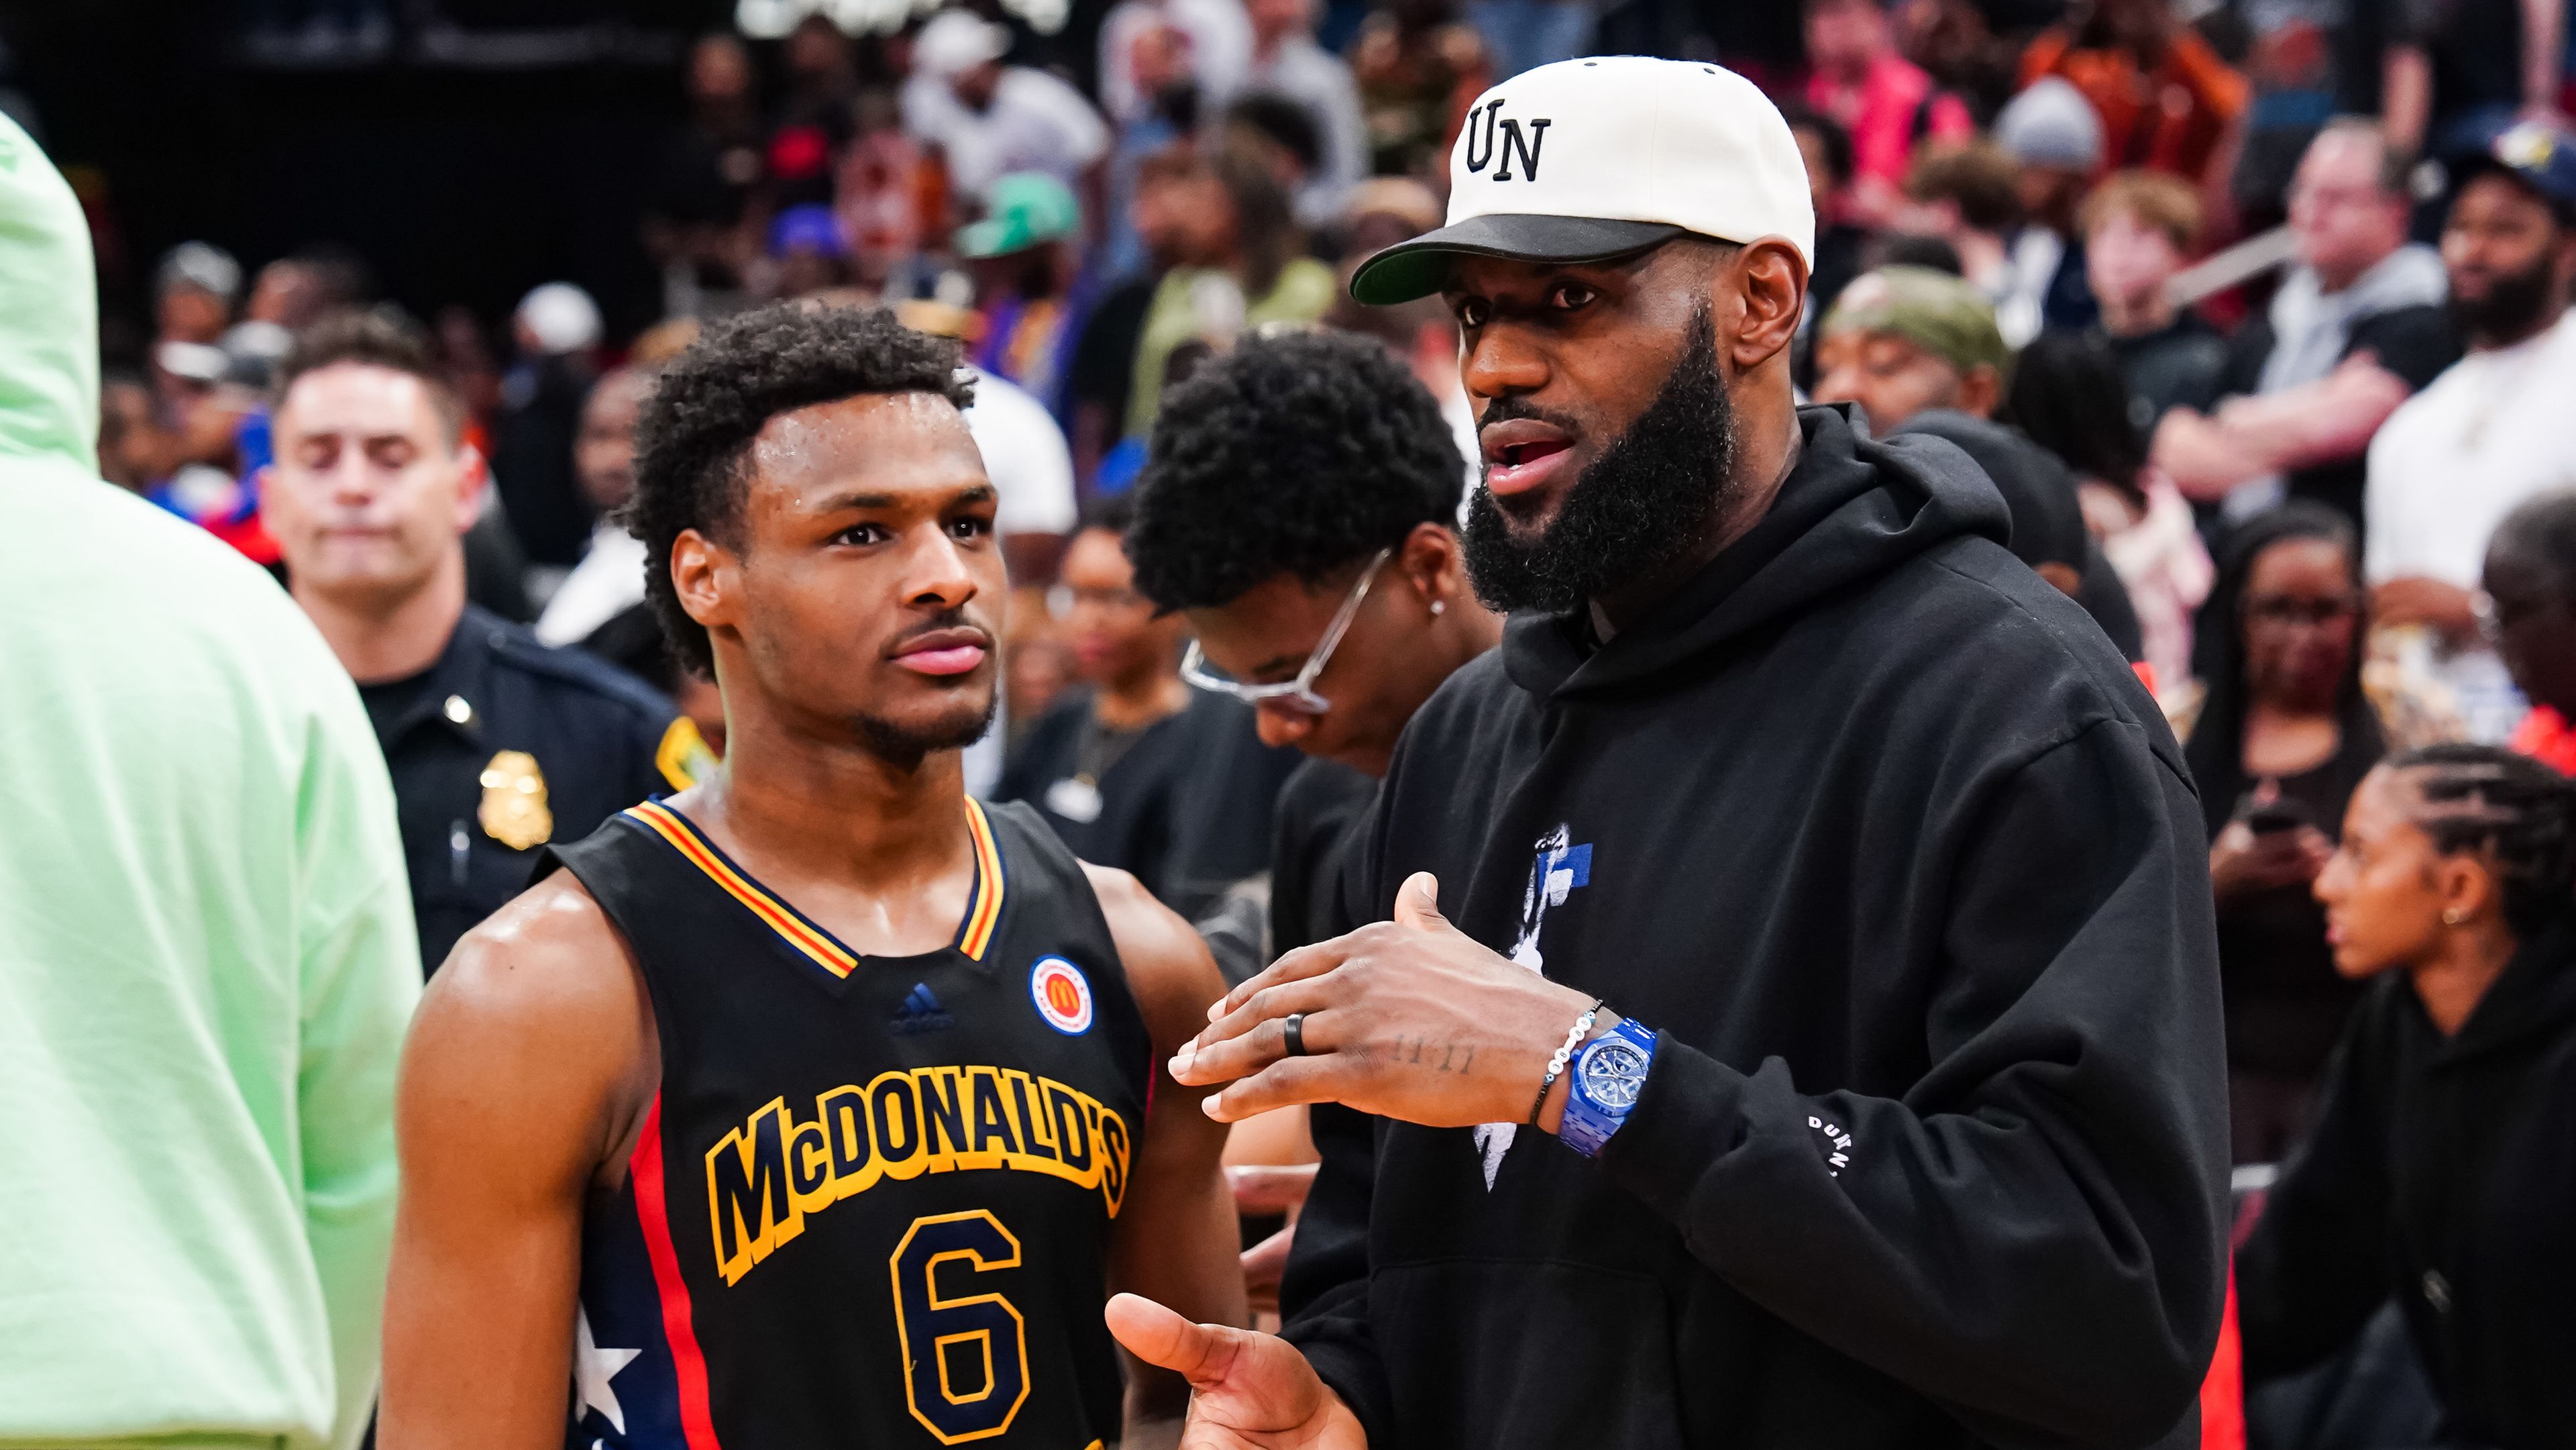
1439, 607
2453, 916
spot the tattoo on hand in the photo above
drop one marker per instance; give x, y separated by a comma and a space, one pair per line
1448, 1061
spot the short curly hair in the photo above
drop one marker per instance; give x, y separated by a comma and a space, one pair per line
693, 437
1299, 453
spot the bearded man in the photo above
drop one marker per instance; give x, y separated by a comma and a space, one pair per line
2490, 432
1821, 1048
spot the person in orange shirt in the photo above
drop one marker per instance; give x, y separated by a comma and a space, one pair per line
2168, 103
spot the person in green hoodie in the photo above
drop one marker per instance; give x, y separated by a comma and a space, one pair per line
206, 946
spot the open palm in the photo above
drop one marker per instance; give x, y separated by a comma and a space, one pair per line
1248, 1391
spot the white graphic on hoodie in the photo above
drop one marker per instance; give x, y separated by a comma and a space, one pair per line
1556, 868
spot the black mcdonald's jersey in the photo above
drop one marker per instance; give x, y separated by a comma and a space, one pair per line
870, 1206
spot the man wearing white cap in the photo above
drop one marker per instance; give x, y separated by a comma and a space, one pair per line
992, 119
1816, 877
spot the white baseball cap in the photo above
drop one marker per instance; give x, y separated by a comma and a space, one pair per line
957, 41
1585, 160
560, 318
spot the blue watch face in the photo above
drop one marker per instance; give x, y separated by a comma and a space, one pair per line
1614, 1072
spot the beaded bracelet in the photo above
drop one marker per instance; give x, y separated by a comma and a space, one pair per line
1564, 1055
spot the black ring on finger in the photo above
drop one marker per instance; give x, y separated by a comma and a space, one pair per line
1293, 1027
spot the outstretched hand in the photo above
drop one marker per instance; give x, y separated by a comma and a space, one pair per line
1248, 1391
1409, 1019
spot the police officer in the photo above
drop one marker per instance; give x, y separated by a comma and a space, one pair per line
497, 744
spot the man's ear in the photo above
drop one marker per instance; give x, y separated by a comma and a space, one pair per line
703, 576
473, 475
1427, 559
1771, 288
1981, 391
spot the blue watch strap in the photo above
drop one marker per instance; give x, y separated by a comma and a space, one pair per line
1606, 1078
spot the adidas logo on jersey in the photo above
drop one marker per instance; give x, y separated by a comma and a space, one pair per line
921, 1012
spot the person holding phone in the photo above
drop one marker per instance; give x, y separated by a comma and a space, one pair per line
2283, 736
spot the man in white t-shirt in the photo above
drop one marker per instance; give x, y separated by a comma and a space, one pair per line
2493, 429
991, 119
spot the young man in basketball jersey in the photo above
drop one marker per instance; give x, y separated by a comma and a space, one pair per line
818, 1105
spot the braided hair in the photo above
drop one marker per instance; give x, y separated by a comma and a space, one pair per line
2515, 811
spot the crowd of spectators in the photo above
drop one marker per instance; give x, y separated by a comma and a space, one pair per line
2255, 317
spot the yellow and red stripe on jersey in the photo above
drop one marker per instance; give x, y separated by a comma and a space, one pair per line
983, 905
984, 910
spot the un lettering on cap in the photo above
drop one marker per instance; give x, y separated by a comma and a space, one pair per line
1588, 159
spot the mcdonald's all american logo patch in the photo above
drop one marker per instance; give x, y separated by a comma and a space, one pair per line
1062, 994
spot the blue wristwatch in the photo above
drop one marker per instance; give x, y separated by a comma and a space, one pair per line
1609, 1073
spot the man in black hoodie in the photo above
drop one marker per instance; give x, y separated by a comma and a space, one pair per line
1863, 874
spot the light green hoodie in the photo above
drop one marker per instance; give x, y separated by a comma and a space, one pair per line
206, 948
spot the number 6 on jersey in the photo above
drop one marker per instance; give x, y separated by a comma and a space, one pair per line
966, 1359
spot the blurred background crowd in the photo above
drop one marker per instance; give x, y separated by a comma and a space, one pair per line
2252, 308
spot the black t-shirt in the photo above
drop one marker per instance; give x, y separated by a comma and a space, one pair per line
1185, 804
532, 444
1103, 369
1314, 844
2415, 343
2068, 305
2474, 46
2286, 1003
2180, 365
2359, 50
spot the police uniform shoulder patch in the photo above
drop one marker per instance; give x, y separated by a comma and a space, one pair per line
514, 810
684, 757
1062, 995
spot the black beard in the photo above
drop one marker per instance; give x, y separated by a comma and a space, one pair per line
1649, 500
2516, 305
904, 746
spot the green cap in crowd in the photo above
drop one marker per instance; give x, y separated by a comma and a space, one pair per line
1935, 311
1022, 210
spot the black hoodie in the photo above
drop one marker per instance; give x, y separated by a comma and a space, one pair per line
2443, 1171
1880, 833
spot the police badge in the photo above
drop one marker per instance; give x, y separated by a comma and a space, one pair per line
514, 801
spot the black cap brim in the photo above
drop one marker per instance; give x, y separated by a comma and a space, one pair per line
1419, 267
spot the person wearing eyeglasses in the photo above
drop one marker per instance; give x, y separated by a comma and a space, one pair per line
1321, 571
1133, 768
2283, 736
